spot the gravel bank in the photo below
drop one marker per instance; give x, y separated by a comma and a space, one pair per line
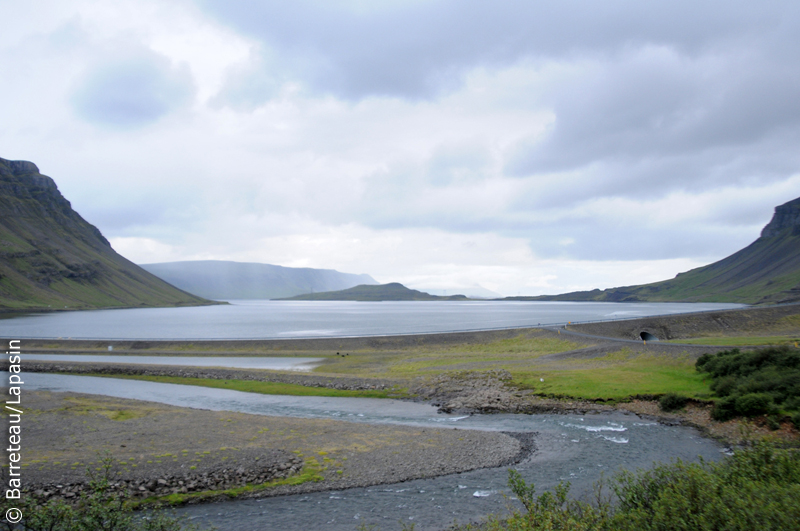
308, 380
158, 449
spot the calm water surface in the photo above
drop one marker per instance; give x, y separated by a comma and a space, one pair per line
574, 448
295, 319
233, 362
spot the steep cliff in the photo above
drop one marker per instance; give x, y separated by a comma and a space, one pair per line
50, 257
766, 271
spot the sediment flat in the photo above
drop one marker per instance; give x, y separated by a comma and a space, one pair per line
158, 449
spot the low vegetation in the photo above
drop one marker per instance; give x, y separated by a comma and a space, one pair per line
616, 376
756, 488
759, 382
672, 402
264, 388
97, 508
516, 355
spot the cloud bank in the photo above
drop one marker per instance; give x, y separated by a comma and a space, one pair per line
526, 147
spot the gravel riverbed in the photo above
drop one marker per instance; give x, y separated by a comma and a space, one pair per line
158, 449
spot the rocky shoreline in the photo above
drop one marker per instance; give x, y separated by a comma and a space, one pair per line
161, 484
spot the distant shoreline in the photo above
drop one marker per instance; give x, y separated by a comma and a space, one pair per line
626, 329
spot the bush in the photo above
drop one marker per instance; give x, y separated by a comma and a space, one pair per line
724, 409
756, 488
671, 402
753, 404
724, 386
764, 381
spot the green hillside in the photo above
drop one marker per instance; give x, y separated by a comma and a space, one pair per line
219, 279
50, 257
382, 292
766, 271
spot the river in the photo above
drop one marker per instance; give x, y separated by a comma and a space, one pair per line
575, 448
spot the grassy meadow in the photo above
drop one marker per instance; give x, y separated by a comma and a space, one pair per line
538, 360
547, 362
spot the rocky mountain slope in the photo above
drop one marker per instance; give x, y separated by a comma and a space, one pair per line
50, 257
217, 279
766, 271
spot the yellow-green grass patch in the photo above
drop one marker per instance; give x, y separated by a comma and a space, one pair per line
87, 405
615, 378
514, 354
310, 472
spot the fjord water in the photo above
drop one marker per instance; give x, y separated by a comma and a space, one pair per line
575, 448
257, 319
228, 362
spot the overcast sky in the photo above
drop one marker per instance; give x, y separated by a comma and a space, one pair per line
527, 147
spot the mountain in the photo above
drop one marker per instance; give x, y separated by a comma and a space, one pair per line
766, 271
50, 257
382, 292
224, 280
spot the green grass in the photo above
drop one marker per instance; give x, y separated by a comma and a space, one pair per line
739, 341
265, 388
618, 377
514, 354
311, 472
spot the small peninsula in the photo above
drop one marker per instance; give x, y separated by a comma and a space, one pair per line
394, 291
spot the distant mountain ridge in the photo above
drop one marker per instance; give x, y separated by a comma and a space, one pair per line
226, 280
393, 291
766, 271
50, 257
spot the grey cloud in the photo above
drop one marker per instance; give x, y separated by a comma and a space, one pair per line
651, 99
641, 110
416, 49
133, 90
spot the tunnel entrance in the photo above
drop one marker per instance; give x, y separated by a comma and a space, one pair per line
647, 336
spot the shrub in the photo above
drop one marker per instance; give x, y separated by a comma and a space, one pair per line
671, 402
793, 403
724, 409
753, 404
724, 386
756, 488
764, 381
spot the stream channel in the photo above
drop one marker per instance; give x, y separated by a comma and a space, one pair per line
578, 449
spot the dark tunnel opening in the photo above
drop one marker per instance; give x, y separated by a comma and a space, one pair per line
647, 336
